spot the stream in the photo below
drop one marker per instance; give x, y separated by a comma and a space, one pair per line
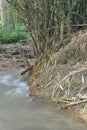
19, 112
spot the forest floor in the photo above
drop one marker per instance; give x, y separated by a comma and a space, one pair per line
62, 80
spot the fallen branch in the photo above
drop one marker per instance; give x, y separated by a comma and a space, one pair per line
66, 102
26, 70
75, 103
76, 61
65, 78
73, 72
62, 100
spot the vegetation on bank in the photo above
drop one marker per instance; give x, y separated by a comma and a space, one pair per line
50, 22
63, 79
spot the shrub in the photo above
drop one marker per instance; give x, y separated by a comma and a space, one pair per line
15, 35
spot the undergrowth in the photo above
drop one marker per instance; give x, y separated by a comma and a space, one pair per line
14, 35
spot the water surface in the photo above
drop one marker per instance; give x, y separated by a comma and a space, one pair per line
19, 112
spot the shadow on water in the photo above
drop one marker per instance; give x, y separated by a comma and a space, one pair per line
19, 113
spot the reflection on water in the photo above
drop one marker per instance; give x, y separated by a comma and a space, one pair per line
16, 113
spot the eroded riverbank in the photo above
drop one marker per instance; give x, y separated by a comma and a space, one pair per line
63, 78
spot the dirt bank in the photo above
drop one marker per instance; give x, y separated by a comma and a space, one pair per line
64, 78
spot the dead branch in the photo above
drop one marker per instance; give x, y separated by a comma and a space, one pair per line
67, 102
66, 77
74, 72
26, 70
75, 103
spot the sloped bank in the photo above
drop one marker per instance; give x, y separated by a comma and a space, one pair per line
64, 78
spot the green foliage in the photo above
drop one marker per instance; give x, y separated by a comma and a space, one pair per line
49, 21
15, 35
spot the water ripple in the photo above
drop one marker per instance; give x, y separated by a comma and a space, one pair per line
17, 87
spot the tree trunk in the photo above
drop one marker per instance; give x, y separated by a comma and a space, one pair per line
4, 14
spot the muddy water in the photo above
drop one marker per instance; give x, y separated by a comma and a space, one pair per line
19, 112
